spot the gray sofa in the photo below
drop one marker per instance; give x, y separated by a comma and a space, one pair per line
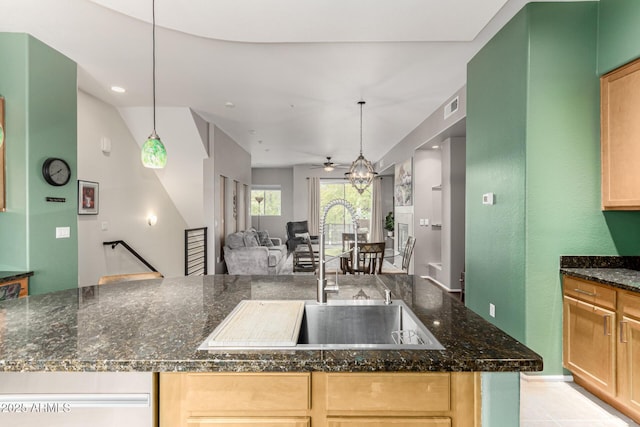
254, 252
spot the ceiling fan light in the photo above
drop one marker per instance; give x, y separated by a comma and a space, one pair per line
153, 154
328, 168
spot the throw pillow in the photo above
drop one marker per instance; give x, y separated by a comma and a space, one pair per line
303, 236
235, 240
251, 239
265, 240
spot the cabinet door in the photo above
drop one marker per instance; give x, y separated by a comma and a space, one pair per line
589, 343
620, 129
628, 367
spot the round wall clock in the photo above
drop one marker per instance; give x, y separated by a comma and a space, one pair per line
56, 171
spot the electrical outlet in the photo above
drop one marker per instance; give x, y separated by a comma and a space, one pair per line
492, 310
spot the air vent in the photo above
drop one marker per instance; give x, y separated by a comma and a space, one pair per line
451, 107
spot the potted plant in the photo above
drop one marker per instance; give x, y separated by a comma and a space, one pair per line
389, 224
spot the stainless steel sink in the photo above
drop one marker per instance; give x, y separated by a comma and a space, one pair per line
357, 324
368, 324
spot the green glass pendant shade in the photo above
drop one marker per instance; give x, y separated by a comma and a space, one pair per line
154, 155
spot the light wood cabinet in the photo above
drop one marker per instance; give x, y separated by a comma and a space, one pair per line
601, 334
620, 131
589, 343
320, 399
629, 352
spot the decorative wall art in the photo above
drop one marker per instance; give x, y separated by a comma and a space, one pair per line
403, 191
88, 198
3, 197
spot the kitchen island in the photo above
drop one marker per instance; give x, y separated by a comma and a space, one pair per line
156, 326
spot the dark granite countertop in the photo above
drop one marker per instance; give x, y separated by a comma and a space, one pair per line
617, 271
157, 325
6, 276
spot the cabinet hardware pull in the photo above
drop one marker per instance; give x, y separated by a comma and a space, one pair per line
622, 340
606, 329
580, 291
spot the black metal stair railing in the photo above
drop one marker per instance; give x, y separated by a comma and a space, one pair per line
195, 251
130, 249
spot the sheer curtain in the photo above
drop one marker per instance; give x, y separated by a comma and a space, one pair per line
313, 203
377, 234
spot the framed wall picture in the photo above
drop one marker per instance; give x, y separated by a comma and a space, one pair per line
403, 191
88, 198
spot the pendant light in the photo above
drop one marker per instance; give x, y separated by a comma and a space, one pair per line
361, 172
154, 155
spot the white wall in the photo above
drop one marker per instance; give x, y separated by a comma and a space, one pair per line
232, 161
276, 225
128, 194
427, 166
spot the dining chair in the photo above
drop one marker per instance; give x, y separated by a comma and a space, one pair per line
406, 254
347, 239
370, 258
114, 278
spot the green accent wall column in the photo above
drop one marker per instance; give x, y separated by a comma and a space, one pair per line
500, 399
40, 89
533, 91
496, 126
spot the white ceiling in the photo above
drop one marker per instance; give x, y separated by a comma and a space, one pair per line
294, 69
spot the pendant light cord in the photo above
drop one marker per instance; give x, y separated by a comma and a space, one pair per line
361, 104
153, 61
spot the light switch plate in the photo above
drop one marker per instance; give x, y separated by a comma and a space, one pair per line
422, 221
63, 232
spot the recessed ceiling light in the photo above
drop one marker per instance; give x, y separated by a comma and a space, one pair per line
229, 104
118, 89
435, 146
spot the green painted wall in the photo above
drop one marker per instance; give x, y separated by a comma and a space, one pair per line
618, 33
500, 399
496, 122
533, 91
40, 90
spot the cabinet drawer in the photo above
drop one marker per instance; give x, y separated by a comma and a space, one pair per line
630, 303
206, 392
393, 422
248, 422
389, 392
590, 292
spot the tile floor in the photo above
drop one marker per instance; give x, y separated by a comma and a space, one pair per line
545, 403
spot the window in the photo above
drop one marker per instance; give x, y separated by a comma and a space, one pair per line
339, 219
270, 201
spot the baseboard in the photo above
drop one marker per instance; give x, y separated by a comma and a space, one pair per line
435, 282
548, 378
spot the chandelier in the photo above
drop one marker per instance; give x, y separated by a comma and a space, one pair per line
154, 155
361, 172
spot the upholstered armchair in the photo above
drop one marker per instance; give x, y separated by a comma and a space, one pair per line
297, 232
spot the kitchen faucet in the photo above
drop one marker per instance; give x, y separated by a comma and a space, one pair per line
323, 288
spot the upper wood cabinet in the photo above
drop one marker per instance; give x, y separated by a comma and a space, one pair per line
620, 137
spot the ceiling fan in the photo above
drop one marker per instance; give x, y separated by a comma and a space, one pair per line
328, 166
